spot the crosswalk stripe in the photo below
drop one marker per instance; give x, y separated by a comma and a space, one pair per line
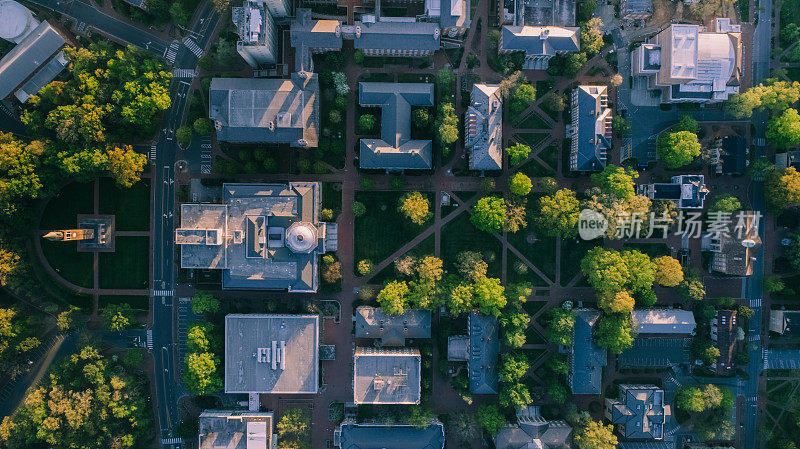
171, 440
172, 51
756, 302
193, 47
163, 292
184, 73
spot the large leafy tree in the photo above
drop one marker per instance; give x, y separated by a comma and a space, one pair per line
393, 297
446, 125
17, 335
725, 203
619, 302
489, 214
558, 213
518, 153
560, 325
614, 332
520, 184
678, 148
514, 395
618, 181
775, 96
591, 434
471, 265
513, 367
416, 207
784, 130
669, 272
605, 270
490, 418
592, 36
201, 373
294, 430
204, 302
125, 165
117, 317
490, 296
514, 325
782, 188
462, 299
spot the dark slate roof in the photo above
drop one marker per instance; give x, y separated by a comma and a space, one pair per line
307, 35
484, 348
640, 412
484, 125
533, 431
27, 56
395, 149
649, 352
397, 36
587, 359
42, 77
591, 128
375, 436
268, 110
529, 39
733, 155
393, 330
785, 322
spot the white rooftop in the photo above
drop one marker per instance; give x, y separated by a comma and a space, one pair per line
684, 51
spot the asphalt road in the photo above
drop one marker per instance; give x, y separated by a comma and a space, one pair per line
165, 339
761, 62
111, 27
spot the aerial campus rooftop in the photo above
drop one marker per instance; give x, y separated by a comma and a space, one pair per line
691, 64
266, 110
483, 124
387, 376
639, 413
590, 130
225, 429
272, 354
37, 57
263, 236
392, 330
395, 150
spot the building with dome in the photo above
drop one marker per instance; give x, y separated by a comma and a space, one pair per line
263, 236
691, 64
16, 21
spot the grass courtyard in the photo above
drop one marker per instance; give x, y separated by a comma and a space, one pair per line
130, 207
460, 235
62, 210
383, 230
128, 266
76, 267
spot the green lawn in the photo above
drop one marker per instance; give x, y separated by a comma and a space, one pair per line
531, 139
534, 169
460, 235
572, 251
138, 302
425, 248
383, 230
130, 207
128, 266
542, 252
62, 210
69, 263
530, 276
533, 337
332, 197
531, 307
532, 121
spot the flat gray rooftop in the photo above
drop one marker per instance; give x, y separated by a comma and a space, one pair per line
28, 56
387, 376
393, 330
271, 353
655, 353
226, 429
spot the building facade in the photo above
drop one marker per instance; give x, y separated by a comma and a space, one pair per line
590, 130
690, 64
483, 128
258, 37
539, 43
639, 413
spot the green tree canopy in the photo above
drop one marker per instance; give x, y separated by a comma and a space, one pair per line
782, 188
125, 165
558, 214
592, 36
87, 402
204, 302
420, 416
514, 395
520, 184
117, 317
366, 122
620, 127
393, 297
678, 148
446, 125
518, 153
687, 123
513, 367
462, 299
490, 296
416, 207
490, 418
560, 325
201, 373
619, 302
775, 96
489, 214
618, 181
725, 203
784, 130
294, 430
614, 332
591, 434
471, 265
669, 272
514, 325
